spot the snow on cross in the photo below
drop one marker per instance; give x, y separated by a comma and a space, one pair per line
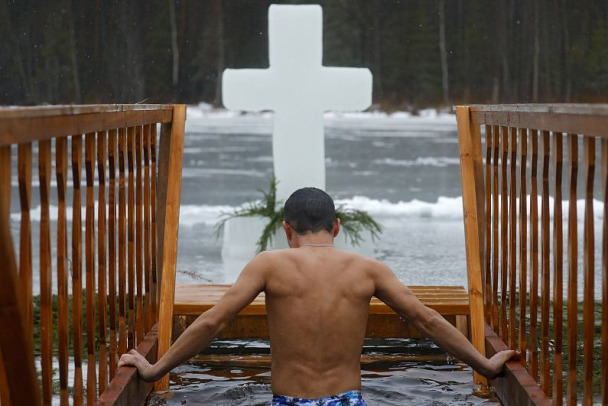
299, 89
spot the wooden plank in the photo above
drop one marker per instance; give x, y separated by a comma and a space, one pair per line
589, 124
89, 157
16, 130
25, 233
605, 274
101, 259
112, 157
139, 266
545, 380
149, 314
255, 326
512, 322
32, 112
515, 387
588, 271
25, 239
504, 232
551, 108
194, 299
4, 386
172, 184
572, 270
78, 394
61, 171
558, 265
164, 150
20, 386
533, 343
5, 188
126, 389
122, 242
487, 283
523, 245
46, 311
154, 240
473, 212
495, 233
264, 360
131, 239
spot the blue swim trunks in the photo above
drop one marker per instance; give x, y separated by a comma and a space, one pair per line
350, 398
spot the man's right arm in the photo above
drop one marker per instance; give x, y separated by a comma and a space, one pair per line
207, 326
432, 325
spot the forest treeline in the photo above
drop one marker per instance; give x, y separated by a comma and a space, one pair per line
421, 52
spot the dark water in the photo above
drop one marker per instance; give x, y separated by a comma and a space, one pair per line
406, 383
417, 373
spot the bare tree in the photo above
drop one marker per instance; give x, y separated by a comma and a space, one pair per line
174, 45
536, 54
73, 54
443, 53
566, 44
217, 11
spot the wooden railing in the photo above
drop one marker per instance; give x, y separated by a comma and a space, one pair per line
519, 254
131, 156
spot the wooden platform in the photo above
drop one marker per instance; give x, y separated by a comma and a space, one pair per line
191, 300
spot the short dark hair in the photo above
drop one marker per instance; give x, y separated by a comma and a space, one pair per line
310, 210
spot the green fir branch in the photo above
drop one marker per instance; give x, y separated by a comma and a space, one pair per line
354, 222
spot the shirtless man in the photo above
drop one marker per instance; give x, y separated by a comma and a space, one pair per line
317, 300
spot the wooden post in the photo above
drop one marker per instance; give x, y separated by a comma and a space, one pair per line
131, 239
101, 260
487, 282
112, 138
523, 244
170, 185
473, 191
122, 242
61, 169
46, 314
139, 266
495, 233
605, 273
512, 237
504, 231
78, 396
588, 269
16, 349
572, 271
533, 343
90, 157
545, 380
558, 259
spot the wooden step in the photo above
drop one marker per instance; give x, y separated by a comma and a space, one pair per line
452, 302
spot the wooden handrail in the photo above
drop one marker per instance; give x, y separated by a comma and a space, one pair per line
27, 124
542, 141
109, 262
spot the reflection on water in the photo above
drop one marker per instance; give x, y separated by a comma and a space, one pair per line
394, 372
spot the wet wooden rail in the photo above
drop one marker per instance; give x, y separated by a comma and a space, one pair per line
119, 168
523, 267
191, 300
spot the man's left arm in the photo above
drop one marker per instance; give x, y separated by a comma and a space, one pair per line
432, 325
207, 326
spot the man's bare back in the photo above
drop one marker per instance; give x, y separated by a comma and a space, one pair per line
317, 302
323, 295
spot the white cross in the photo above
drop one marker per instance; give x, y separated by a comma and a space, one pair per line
299, 89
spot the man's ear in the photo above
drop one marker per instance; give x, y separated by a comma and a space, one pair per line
288, 230
336, 227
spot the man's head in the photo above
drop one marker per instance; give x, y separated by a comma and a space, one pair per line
310, 210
